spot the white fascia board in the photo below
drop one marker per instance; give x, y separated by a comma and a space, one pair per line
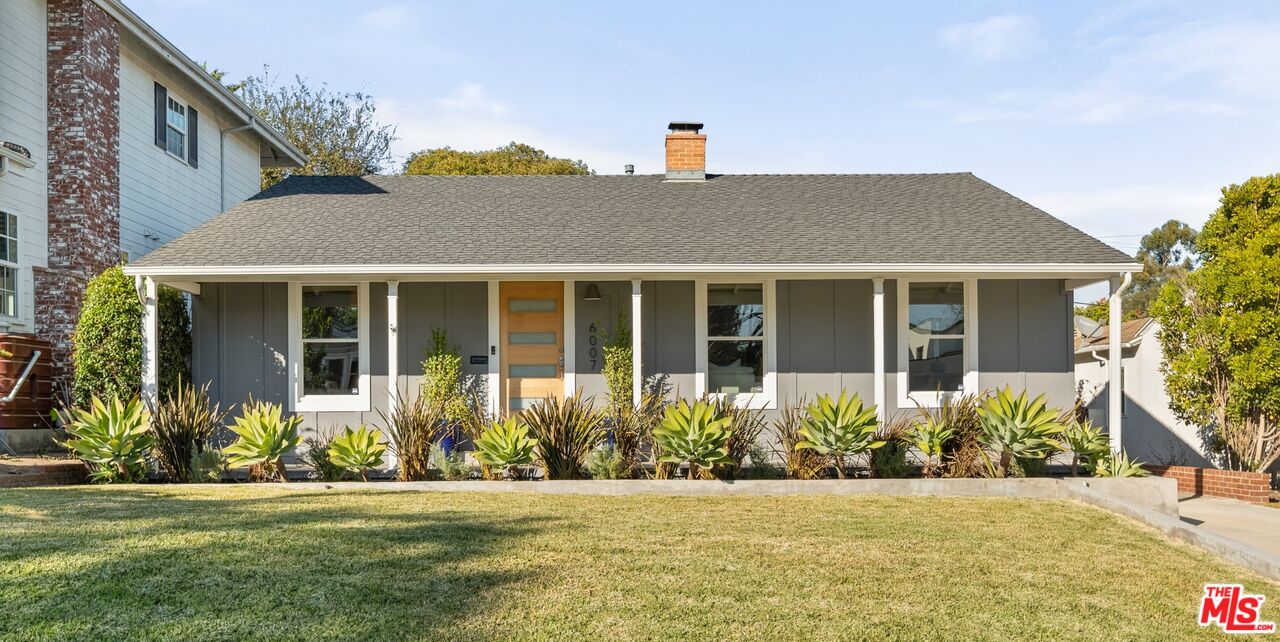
197, 74
1009, 270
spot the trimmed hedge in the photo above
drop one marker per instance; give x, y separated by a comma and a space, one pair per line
107, 345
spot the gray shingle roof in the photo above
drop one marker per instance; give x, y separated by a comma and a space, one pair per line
624, 220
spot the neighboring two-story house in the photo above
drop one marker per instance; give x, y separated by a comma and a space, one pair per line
112, 143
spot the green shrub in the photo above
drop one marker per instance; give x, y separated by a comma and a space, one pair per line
184, 422
317, 457
1015, 427
565, 431
452, 467
745, 426
442, 382
506, 446
107, 343
606, 462
617, 367
1117, 464
264, 438
929, 434
840, 428
357, 451
1087, 443
174, 336
207, 467
760, 466
113, 439
697, 434
413, 427
797, 463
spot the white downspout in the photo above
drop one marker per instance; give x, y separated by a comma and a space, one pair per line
1115, 384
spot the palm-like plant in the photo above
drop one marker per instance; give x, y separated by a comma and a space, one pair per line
566, 431
264, 437
357, 450
505, 445
112, 439
698, 434
1117, 464
838, 429
184, 423
929, 436
1087, 443
1015, 427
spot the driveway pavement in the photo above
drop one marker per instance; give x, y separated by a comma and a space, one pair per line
1257, 526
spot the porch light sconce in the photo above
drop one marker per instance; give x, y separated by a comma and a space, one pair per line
593, 293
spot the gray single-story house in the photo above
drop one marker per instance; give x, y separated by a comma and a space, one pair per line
762, 288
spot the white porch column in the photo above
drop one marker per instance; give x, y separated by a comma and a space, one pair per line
877, 344
393, 356
637, 368
568, 354
494, 380
150, 343
1115, 381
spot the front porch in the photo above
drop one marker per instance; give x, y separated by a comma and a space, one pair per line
765, 339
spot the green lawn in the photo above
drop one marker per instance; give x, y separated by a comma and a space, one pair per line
240, 561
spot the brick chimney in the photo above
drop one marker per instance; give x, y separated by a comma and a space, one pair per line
686, 152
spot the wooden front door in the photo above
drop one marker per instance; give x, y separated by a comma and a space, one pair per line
532, 328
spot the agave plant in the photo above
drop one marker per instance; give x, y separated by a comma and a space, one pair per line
1015, 427
745, 426
113, 439
505, 445
929, 436
184, 422
357, 450
1117, 464
566, 430
839, 428
264, 438
1087, 443
698, 434
797, 463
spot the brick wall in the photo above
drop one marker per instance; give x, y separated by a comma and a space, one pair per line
1230, 484
83, 164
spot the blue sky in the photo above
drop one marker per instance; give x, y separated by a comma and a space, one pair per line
1114, 116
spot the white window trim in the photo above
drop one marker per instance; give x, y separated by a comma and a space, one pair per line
15, 319
186, 119
908, 399
767, 400
328, 403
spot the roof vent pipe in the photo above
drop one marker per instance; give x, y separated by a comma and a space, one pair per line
629, 169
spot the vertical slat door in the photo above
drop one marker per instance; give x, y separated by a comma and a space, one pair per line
532, 328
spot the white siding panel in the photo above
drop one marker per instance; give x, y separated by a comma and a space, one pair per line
23, 120
161, 196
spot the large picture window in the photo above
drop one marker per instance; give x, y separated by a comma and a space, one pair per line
330, 350
9, 269
736, 342
935, 337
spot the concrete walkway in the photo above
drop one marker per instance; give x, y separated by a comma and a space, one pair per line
1257, 526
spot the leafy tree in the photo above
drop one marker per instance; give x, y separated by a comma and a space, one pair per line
337, 131
511, 159
1166, 252
1220, 331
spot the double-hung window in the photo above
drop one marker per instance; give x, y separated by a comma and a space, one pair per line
736, 342
175, 119
330, 349
936, 322
9, 269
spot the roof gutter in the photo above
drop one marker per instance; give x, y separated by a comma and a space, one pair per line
196, 74
1007, 270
